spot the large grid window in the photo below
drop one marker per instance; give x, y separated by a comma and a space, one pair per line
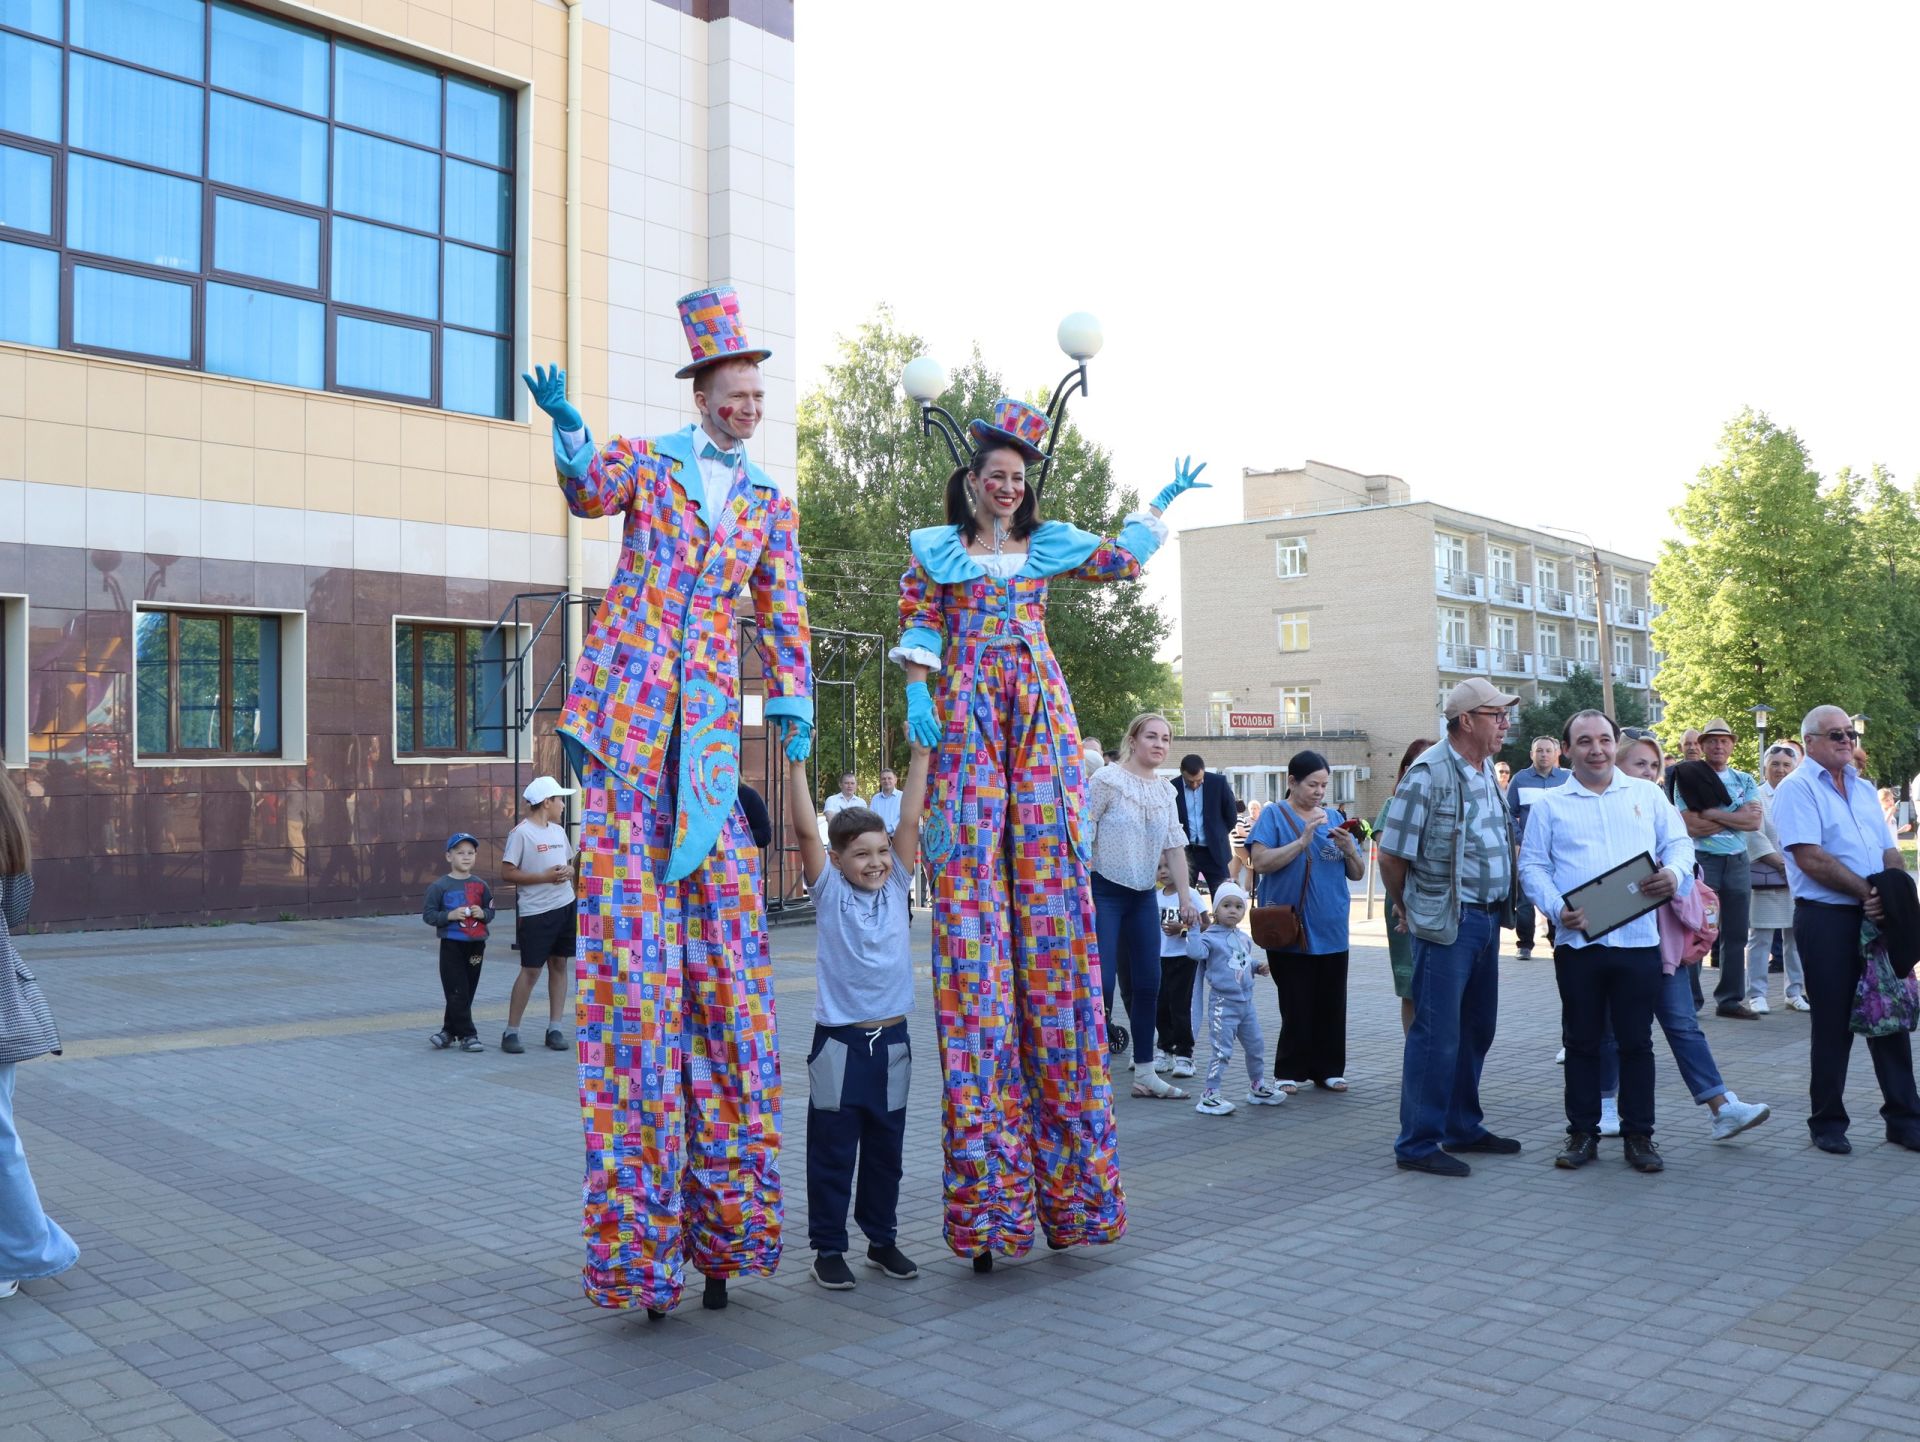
205, 185
207, 684
449, 690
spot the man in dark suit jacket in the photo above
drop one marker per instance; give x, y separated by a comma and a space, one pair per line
1205, 804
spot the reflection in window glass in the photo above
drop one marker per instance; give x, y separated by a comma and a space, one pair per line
133, 214
117, 311
439, 683
153, 680
478, 205
265, 241
476, 288
29, 88
484, 654
266, 337
394, 359
473, 373
42, 17
259, 148
386, 96
477, 123
385, 181
403, 698
29, 295
134, 115
385, 269
165, 35
255, 722
197, 668
26, 190
259, 55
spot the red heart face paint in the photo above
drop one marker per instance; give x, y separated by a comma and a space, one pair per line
726, 413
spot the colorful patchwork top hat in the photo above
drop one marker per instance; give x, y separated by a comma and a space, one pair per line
714, 333
1015, 424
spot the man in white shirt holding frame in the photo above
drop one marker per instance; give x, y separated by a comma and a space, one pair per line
1599, 820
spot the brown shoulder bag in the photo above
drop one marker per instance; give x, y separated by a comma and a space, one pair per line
1282, 928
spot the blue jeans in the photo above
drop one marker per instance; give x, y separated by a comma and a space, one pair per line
1673, 1008
1456, 1001
1127, 926
31, 1243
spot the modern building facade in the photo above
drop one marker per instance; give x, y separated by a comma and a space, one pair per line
1340, 611
269, 273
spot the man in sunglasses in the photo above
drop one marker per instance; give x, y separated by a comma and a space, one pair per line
1837, 840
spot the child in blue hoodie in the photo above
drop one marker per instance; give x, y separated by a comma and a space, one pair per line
1227, 969
458, 907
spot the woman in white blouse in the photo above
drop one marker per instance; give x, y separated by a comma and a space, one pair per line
1130, 813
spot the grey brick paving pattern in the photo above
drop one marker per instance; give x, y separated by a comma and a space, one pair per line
300, 1222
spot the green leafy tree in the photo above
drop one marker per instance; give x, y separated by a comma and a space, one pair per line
868, 477
1756, 591
1580, 692
1882, 617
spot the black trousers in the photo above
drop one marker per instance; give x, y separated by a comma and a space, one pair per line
459, 980
856, 1124
1313, 1014
1598, 983
1201, 867
1829, 942
1174, 1024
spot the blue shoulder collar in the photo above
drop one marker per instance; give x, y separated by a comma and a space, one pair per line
943, 555
1053, 547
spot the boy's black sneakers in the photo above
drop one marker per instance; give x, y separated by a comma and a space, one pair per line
471, 1043
831, 1271
891, 1260
556, 1039
439, 1041
510, 1043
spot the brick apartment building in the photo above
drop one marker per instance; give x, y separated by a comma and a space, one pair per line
1346, 610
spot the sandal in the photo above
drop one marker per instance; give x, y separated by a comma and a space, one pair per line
1333, 1084
1289, 1087
1163, 1093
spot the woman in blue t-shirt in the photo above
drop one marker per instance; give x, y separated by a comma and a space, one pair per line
1304, 856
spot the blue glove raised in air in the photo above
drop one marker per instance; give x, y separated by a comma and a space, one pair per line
798, 736
1186, 477
923, 725
549, 387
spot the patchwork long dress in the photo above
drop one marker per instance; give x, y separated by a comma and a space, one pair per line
679, 1059
1028, 1112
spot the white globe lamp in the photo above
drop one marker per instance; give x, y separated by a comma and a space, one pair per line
1081, 336
924, 379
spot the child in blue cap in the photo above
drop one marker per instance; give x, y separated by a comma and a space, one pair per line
458, 907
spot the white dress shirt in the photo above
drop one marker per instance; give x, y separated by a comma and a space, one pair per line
886, 805
1575, 833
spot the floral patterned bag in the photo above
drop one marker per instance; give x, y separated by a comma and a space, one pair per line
1884, 1004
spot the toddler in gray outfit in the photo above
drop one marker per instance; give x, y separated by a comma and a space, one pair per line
1223, 995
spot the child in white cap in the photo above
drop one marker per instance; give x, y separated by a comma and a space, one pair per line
538, 858
1223, 994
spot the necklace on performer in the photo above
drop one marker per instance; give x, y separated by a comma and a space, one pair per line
999, 535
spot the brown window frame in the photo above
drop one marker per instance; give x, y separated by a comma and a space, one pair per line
196, 279
225, 751
458, 630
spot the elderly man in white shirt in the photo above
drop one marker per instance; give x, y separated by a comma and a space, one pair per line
1597, 821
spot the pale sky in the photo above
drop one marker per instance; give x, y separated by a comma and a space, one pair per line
1528, 257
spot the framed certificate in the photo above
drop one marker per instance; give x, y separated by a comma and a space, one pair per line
1613, 898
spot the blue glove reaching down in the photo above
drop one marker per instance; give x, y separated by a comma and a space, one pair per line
549, 387
923, 723
798, 736
1186, 477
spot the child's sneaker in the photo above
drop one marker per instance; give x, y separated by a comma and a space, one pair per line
1212, 1104
556, 1039
1183, 1066
891, 1260
1266, 1094
471, 1043
831, 1271
440, 1041
510, 1043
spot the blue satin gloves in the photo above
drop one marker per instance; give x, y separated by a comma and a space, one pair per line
549, 387
798, 736
1186, 477
923, 725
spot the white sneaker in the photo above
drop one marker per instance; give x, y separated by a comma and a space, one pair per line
1212, 1104
1161, 1061
1560, 1057
1266, 1094
7, 1289
1798, 1003
1757, 1005
1609, 1117
1737, 1116
1183, 1066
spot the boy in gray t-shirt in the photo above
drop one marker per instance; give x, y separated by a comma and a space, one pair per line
860, 1060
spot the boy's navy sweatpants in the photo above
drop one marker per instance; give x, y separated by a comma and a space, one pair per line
856, 1123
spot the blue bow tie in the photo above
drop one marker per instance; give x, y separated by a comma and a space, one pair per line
711, 452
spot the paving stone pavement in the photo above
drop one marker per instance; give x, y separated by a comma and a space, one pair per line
299, 1221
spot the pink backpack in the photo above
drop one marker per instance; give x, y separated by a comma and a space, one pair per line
1689, 925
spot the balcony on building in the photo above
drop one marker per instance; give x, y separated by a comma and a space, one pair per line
1460, 585
1470, 659
1627, 618
1553, 668
1510, 663
1634, 676
1553, 602
1503, 592
1587, 608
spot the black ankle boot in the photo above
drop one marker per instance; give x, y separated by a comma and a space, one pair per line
714, 1298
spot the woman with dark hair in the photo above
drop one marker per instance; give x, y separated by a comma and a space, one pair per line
1399, 940
1028, 1113
31, 1243
1304, 854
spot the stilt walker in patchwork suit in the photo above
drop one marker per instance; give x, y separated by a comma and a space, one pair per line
679, 1060
1028, 1113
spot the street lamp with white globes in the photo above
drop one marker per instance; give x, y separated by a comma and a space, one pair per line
924, 380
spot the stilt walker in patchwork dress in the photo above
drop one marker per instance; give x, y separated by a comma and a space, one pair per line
1028, 1114
679, 1063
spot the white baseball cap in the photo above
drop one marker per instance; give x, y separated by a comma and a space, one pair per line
543, 788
